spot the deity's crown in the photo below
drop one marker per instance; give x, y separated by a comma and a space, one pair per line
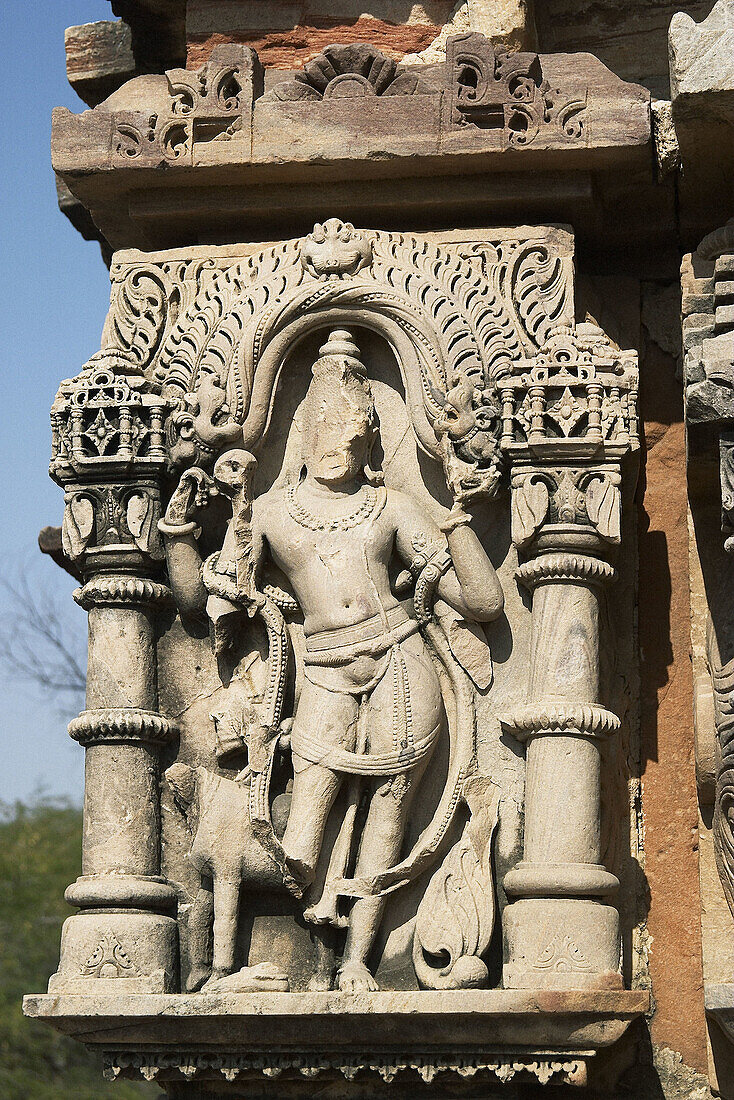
341, 344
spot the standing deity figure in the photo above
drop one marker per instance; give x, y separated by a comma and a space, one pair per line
370, 708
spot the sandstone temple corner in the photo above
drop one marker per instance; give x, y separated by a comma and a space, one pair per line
401, 490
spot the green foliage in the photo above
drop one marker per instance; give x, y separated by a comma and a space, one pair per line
40, 849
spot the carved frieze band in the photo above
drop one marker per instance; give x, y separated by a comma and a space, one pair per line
94, 727
561, 566
486, 89
200, 1065
591, 720
109, 590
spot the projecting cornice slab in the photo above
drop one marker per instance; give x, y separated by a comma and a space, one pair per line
350, 114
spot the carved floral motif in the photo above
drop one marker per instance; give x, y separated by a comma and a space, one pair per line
205, 105
562, 955
108, 960
493, 89
347, 72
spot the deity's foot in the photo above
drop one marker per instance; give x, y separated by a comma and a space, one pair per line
320, 983
266, 977
302, 872
197, 977
325, 912
354, 977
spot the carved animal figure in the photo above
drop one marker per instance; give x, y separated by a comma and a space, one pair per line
226, 853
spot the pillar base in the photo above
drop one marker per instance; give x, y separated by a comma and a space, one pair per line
120, 952
561, 943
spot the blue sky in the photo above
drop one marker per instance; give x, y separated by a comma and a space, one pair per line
54, 291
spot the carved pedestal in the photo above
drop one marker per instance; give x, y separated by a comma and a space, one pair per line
109, 455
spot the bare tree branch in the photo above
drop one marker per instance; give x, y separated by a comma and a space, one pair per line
39, 643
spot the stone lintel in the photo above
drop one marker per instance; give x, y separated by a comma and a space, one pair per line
571, 1021
583, 120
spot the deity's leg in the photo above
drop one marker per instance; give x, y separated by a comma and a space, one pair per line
314, 791
380, 848
199, 925
226, 907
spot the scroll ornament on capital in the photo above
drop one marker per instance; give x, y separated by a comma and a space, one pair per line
500, 389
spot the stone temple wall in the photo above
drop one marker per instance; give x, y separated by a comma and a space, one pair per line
401, 493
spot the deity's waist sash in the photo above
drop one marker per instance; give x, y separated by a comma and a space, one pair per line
382, 764
330, 658
370, 638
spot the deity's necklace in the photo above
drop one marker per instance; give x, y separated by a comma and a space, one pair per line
304, 518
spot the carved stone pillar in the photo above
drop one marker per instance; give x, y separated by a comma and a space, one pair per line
707, 277
568, 423
109, 456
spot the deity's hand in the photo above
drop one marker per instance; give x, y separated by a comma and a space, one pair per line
467, 479
454, 470
233, 473
193, 492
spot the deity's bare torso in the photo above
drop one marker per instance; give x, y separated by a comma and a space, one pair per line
335, 549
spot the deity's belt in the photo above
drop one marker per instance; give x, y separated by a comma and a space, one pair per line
370, 638
378, 764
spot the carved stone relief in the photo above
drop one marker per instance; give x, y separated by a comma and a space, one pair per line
493, 89
302, 482
348, 72
708, 340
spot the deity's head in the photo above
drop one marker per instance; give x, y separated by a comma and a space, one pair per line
338, 414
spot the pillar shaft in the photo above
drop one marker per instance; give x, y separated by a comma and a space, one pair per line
110, 458
560, 930
121, 732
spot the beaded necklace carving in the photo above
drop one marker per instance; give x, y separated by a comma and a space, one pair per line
305, 518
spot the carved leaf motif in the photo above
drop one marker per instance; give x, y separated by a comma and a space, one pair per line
140, 515
77, 526
108, 960
137, 511
530, 502
469, 647
562, 955
542, 292
231, 320
602, 506
455, 918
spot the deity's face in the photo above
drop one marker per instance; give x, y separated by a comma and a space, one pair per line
338, 429
338, 444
